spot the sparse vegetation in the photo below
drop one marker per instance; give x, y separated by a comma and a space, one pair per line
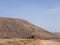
7, 37
19, 42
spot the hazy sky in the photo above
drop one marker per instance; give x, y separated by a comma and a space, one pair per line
43, 13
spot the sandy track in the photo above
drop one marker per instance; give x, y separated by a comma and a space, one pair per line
50, 42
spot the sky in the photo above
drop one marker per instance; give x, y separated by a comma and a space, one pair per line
43, 13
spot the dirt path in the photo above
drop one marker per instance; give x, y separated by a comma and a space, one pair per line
50, 42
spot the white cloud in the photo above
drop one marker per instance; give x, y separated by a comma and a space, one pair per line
55, 11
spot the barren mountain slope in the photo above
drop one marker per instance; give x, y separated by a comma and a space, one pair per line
18, 28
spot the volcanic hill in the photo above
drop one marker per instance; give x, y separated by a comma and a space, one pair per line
19, 28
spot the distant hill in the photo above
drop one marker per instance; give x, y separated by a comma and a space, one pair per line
57, 33
19, 28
